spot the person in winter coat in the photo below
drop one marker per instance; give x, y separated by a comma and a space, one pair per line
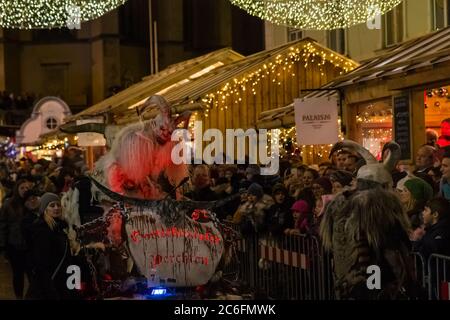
368, 226
32, 201
201, 185
279, 216
251, 215
301, 214
436, 217
11, 238
51, 253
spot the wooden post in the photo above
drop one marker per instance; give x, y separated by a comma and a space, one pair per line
417, 121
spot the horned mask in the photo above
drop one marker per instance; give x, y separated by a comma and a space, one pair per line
373, 170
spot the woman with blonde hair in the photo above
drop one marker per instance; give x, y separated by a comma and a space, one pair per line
51, 252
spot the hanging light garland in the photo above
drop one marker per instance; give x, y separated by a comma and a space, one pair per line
316, 14
306, 53
47, 14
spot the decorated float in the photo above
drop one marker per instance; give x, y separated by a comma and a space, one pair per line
152, 239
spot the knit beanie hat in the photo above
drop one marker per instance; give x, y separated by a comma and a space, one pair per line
325, 183
45, 201
300, 206
419, 189
256, 190
341, 176
279, 187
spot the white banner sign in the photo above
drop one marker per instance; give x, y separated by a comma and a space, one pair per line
316, 120
178, 256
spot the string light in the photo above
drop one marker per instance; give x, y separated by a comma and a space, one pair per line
310, 153
304, 53
47, 14
316, 14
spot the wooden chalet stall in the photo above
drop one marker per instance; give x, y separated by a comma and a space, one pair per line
399, 94
117, 109
235, 95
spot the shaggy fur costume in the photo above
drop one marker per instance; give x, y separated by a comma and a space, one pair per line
363, 228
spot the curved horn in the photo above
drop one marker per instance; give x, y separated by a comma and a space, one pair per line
394, 155
159, 102
88, 127
370, 159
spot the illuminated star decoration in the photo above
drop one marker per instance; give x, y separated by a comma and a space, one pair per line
316, 14
48, 14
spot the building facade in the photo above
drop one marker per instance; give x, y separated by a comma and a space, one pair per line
85, 66
409, 20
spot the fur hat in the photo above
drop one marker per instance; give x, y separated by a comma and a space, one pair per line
256, 190
300, 206
45, 201
373, 171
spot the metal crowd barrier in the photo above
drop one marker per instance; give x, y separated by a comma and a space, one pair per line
284, 267
439, 277
420, 269
296, 267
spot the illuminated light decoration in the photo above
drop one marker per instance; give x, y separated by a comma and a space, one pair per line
306, 53
48, 14
316, 14
310, 153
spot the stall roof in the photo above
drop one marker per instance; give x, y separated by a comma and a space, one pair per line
425, 51
193, 91
173, 76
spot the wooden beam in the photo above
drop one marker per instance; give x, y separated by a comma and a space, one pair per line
366, 92
430, 77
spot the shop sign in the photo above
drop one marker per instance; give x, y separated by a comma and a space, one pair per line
402, 124
316, 120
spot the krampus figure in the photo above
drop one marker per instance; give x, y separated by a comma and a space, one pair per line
139, 163
367, 227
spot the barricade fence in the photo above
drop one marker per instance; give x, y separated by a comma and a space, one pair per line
296, 267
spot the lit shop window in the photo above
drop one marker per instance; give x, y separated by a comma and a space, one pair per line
374, 125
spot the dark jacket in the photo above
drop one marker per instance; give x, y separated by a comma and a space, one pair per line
51, 256
279, 217
87, 211
204, 194
436, 240
11, 216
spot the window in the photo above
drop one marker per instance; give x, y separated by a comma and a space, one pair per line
393, 24
337, 41
440, 13
294, 34
51, 123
